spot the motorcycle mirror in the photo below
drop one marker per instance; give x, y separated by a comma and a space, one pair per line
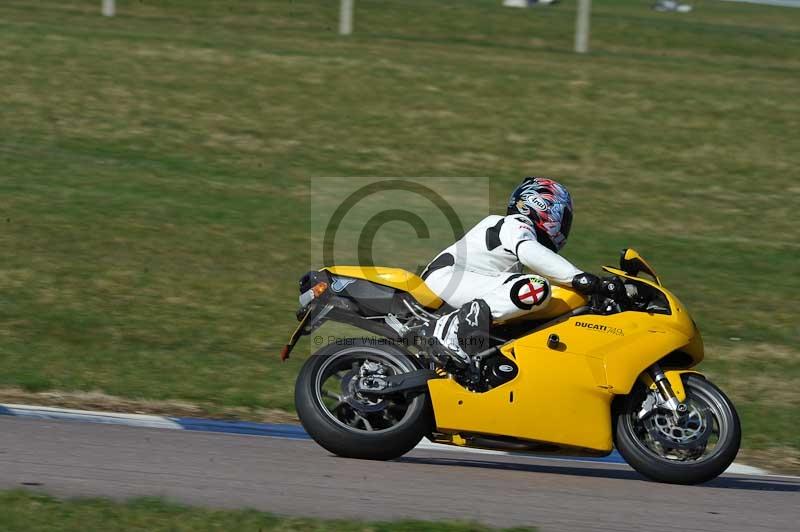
633, 264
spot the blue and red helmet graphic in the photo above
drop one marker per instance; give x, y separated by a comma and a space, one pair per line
548, 205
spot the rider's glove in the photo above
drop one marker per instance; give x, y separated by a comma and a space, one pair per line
586, 283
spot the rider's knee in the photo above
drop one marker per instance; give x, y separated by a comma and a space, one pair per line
530, 292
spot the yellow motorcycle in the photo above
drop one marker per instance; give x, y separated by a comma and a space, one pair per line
579, 377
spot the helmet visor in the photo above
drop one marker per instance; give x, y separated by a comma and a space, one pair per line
566, 221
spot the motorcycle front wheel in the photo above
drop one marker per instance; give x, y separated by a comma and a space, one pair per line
696, 447
348, 423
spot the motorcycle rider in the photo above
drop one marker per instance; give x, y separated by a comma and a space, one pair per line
482, 274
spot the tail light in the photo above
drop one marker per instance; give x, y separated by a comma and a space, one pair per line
315, 291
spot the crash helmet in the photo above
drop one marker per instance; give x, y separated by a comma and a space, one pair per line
548, 206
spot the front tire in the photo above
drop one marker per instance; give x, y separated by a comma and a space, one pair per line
350, 425
646, 443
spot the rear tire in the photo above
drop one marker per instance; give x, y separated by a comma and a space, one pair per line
645, 460
330, 429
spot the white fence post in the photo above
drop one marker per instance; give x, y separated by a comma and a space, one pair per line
582, 26
109, 8
346, 18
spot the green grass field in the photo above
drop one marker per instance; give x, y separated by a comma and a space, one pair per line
155, 170
29, 512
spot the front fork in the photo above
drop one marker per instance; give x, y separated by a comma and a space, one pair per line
667, 396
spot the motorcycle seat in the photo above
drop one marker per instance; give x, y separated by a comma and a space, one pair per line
394, 277
562, 300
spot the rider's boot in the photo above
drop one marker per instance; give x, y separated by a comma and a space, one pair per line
462, 333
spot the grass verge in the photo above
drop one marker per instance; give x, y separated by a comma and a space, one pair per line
30, 512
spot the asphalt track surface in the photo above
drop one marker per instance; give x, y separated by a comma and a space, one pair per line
296, 477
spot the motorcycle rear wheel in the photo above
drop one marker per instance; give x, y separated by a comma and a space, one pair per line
652, 458
348, 424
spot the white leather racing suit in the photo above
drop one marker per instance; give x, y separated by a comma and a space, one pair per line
487, 264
